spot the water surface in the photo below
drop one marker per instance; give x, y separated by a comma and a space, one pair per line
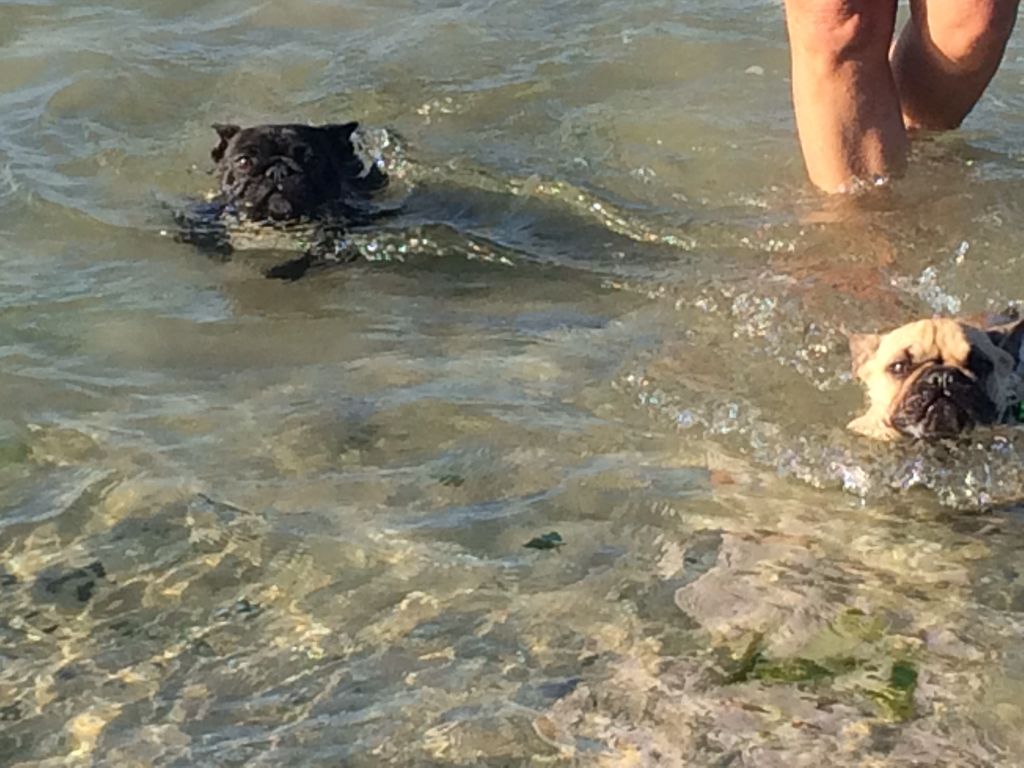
244, 522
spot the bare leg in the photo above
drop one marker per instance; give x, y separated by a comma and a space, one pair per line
946, 56
847, 106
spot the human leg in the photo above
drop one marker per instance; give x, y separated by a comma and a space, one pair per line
946, 56
846, 103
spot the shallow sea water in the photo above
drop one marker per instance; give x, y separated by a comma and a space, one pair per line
244, 522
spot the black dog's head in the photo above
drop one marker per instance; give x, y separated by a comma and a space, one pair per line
284, 173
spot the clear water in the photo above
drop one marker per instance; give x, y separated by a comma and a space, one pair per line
252, 523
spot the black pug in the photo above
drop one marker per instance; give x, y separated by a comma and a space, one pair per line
303, 179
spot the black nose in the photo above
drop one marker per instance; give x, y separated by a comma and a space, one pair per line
940, 378
278, 173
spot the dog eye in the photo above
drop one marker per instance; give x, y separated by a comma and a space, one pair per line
243, 162
900, 368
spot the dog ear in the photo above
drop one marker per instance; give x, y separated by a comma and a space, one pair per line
862, 347
1009, 338
341, 133
358, 173
226, 131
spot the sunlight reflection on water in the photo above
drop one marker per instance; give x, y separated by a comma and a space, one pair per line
248, 522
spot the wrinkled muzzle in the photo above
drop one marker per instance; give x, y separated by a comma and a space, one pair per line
277, 191
943, 401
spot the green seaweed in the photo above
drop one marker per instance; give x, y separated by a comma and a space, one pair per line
897, 699
799, 670
903, 676
552, 540
893, 696
745, 663
753, 664
792, 670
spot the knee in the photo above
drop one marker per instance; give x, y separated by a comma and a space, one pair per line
970, 34
836, 31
